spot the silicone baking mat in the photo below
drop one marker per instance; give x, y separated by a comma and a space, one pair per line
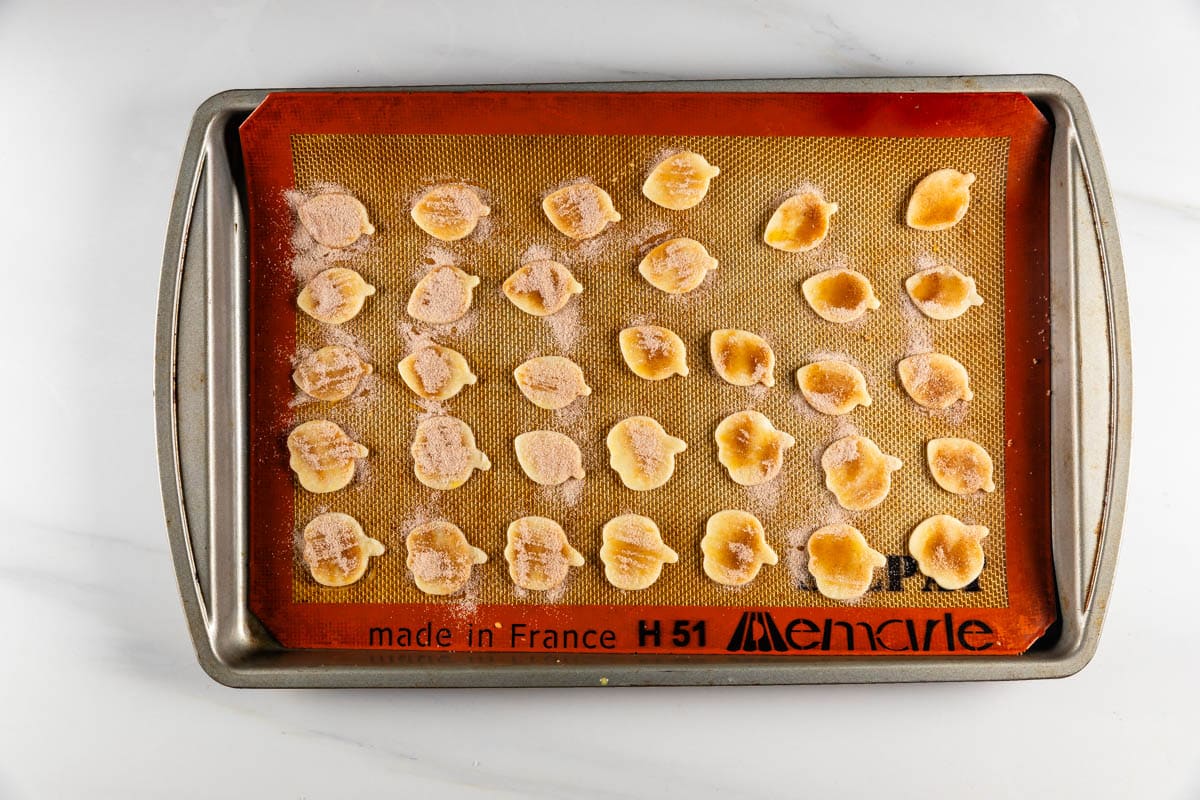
865, 152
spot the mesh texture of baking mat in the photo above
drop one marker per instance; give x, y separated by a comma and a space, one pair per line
755, 288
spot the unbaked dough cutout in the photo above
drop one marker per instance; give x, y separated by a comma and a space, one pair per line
735, 548
541, 288
841, 561
548, 458
858, 473
335, 219
580, 210
942, 292
444, 453
677, 266
336, 550
330, 374
652, 352
323, 456
443, 295
833, 387
449, 211
934, 380
435, 372
334, 296
742, 358
940, 200
751, 448
948, 551
441, 558
800, 223
633, 552
642, 452
839, 295
551, 382
538, 553
960, 466
680, 181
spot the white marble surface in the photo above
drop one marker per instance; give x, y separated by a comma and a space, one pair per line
100, 693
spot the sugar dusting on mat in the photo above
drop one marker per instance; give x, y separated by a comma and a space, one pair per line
537, 252
565, 327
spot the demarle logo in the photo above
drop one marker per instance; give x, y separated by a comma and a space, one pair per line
756, 632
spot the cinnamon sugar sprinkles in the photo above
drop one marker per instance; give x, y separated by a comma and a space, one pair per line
574, 427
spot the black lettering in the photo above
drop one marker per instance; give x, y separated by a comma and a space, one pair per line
974, 626
375, 637
404, 637
899, 568
647, 633
883, 626
948, 620
930, 626
485, 638
827, 638
608, 639
517, 632
569, 640
443, 637
738, 640
866, 626
808, 626
912, 634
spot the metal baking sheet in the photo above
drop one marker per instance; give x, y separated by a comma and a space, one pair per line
202, 430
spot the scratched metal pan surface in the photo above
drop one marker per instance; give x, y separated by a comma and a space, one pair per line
200, 407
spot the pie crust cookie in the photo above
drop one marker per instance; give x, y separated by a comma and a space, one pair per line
841, 561
330, 374
741, 357
800, 223
940, 200
444, 453
440, 557
934, 380
580, 210
677, 266
336, 551
653, 352
833, 387
839, 295
551, 382
680, 181
948, 551
538, 553
334, 296
323, 456
751, 448
633, 552
435, 372
449, 211
643, 453
735, 548
335, 219
858, 473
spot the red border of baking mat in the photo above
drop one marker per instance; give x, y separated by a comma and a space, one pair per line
784, 630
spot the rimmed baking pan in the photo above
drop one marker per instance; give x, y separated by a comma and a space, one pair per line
1068, 465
